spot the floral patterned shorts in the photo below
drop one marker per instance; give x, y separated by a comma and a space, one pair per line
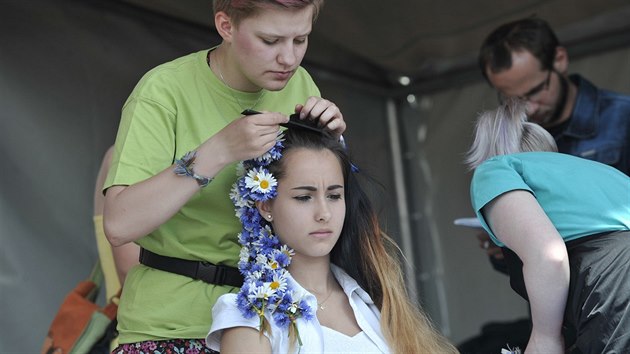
171, 346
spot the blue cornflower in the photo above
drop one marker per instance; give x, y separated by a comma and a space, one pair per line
263, 259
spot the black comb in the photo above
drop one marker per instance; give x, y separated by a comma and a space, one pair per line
294, 121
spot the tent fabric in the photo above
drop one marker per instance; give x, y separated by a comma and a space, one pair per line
67, 66
377, 41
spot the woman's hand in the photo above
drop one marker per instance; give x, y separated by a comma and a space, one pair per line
327, 112
492, 250
542, 343
245, 138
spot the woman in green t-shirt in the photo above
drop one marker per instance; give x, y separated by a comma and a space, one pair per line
180, 136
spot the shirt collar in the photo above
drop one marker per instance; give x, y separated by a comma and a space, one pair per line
348, 284
583, 121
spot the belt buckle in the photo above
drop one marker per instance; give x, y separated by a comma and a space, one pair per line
211, 273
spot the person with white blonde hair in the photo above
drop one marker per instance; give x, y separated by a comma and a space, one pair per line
564, 225
525, 59
506, 130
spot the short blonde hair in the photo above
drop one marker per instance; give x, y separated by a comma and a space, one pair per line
239, 10
505, 130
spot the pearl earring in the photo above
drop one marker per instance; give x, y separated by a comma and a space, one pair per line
269, 216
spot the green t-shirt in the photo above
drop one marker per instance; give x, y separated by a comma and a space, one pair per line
173, 109
581, 197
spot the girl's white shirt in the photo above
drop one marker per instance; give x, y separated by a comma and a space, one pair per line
226, 314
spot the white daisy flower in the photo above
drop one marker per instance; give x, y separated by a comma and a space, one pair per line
272, 265
287, 250
279, 282
262, 292
260, 181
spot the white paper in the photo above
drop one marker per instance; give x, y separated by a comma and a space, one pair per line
469, 222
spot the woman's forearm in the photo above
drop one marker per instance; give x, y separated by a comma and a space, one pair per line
520, 222
132, 212
547, 281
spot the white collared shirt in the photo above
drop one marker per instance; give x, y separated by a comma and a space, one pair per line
226, 314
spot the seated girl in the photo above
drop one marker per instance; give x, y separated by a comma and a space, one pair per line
320, 275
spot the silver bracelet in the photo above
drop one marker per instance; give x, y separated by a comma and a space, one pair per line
183, 167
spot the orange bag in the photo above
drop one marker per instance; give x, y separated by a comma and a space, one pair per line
80, 325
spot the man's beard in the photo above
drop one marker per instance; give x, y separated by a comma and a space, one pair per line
562, 101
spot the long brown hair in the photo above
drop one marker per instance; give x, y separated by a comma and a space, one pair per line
371, 257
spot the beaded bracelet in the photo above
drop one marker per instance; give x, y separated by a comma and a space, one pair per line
183, 167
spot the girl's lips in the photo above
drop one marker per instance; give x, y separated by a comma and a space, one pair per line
321, 233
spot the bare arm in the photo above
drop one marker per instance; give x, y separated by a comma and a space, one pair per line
244, 340
132, 212
100, 180
125, 256
519, 221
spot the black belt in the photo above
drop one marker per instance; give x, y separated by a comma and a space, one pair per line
205, 271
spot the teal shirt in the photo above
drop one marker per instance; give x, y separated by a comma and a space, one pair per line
581, 197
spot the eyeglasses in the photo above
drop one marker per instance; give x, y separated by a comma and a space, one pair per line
536, 90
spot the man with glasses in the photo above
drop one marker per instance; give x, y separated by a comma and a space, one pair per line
525, 59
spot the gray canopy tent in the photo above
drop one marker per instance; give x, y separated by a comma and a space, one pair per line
68, 65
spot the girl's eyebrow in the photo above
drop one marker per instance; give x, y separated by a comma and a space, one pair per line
313, 189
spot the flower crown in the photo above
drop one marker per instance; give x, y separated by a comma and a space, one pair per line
263, 259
